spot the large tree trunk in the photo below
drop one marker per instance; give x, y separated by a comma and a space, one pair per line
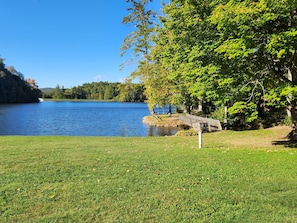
225, 117
292, 105
170, 109
292, 111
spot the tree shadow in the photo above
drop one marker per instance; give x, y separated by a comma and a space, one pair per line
286, 143
289, 141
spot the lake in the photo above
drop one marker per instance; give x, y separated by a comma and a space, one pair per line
78, 119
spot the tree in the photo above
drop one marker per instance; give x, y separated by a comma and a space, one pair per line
259, 40
13, 88
235, 53
58, 93
140, 39
32, 83
13, 71
226, 52
185, 43
130, 92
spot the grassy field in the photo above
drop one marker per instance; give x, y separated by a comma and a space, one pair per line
236, 177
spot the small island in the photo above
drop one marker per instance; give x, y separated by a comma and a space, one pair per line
163, 120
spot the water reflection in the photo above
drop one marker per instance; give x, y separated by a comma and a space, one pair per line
161, 131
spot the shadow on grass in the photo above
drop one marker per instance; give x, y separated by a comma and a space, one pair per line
286, 143
290, 141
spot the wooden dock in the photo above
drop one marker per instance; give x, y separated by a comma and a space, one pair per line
206, 124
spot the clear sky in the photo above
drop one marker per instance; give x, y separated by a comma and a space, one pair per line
65, 42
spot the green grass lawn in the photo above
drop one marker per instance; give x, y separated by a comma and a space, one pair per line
235, 177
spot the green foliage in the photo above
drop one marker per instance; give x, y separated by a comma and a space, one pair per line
58, 93
129, 92
240, 53
219, 113
140, 41
289, 90
260, 39
220, 52
125, 92
142, 18
14, 89
189, 132
243, 113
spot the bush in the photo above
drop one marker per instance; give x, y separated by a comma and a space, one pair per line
189, 132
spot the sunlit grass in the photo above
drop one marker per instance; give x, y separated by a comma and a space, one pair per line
147, 179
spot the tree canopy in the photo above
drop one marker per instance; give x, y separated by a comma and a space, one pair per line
235, 53
13, 87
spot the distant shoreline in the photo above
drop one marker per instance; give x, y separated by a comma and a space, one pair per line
84, 100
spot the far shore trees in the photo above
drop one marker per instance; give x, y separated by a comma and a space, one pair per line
104, 91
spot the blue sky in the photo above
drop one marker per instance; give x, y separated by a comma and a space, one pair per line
65, 42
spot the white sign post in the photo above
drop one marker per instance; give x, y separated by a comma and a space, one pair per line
197, 127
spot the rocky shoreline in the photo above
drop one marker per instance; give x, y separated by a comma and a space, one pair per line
163, 121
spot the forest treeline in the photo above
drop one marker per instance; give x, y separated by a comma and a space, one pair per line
14, 88
235, 57
107, 91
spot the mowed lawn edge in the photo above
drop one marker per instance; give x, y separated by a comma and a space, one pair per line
235, 177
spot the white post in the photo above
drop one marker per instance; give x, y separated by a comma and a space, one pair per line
199, 139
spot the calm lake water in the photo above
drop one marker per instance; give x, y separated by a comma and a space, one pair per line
78, 119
